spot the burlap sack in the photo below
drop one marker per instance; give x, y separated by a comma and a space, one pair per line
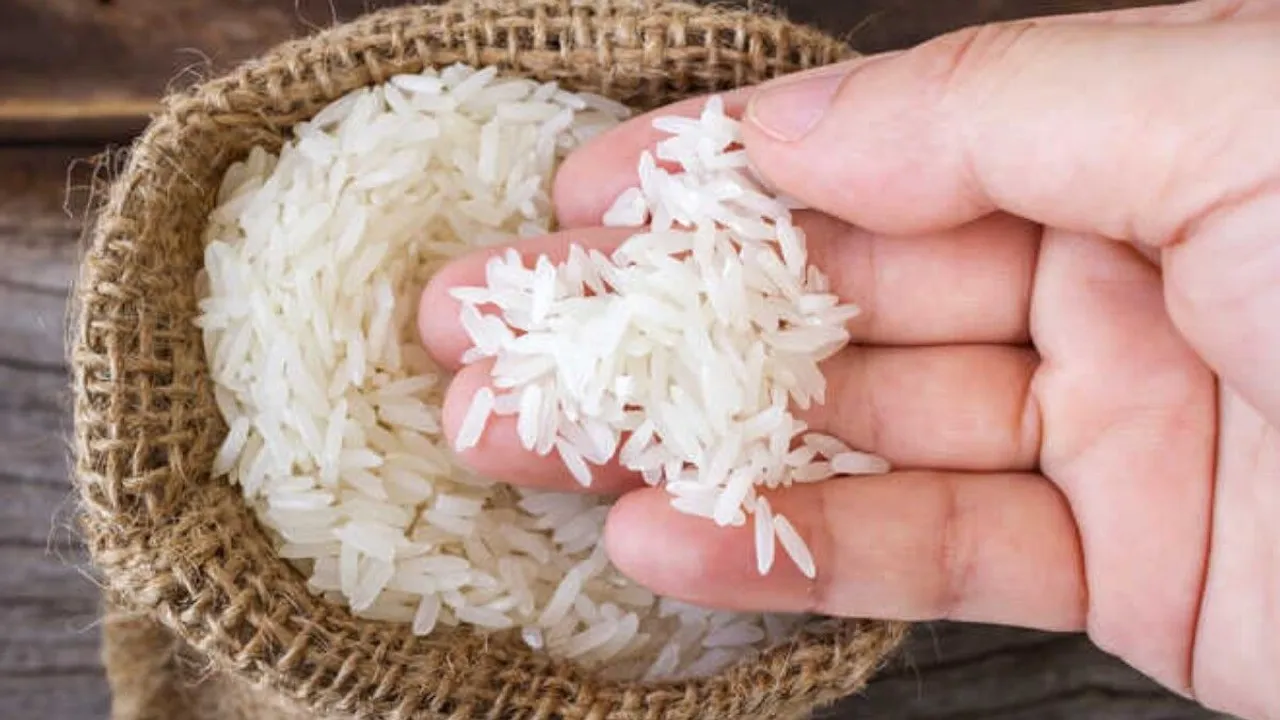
205, 620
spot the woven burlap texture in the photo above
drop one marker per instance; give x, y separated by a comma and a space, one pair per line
206, 621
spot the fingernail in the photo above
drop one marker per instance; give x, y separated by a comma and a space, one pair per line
789, 108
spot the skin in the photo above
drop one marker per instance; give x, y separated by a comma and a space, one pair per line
1064, 235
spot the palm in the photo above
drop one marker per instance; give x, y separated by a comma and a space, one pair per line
1128, 416
1169, 478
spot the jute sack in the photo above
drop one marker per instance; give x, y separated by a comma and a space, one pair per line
204, 620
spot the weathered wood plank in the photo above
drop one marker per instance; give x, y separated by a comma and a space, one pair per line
39, 192
49, 607
44, 584
37, 515
80, 68
38, 240
962, 672
95, 69
73, 694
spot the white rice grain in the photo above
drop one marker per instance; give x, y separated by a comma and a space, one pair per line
764, 536
474, 422
794, 546
858, 463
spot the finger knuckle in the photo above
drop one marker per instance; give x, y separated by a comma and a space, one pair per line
955, 561
962, 59
1219, 10
822, 595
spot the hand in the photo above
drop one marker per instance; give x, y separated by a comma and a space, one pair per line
1066, 235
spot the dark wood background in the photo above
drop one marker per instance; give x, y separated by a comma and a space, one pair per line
79, 75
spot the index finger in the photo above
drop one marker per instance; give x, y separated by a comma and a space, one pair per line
984, 270
589, 180
592, 177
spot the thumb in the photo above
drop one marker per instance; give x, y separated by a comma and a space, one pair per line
1158, 134
1124, 130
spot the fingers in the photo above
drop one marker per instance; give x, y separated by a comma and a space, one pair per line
960, 408
909, 546
971, 284
1158, 134
1151, 124
1121, 130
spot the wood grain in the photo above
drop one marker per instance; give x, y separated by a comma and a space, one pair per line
49, 664
95, 69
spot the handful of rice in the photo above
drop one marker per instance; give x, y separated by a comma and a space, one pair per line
704, 328
694, 337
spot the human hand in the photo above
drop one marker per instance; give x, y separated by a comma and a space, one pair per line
1063, 233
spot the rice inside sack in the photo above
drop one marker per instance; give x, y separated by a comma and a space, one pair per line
313, 265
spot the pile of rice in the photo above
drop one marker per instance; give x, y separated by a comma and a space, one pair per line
694, 338
314, 264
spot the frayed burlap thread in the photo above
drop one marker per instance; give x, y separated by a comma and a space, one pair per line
206, 620
156, 676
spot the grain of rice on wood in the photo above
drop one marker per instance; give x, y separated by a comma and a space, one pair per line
314, 261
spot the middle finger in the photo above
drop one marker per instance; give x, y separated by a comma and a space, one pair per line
962, 408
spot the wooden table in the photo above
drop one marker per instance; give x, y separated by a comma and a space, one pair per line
78, 75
